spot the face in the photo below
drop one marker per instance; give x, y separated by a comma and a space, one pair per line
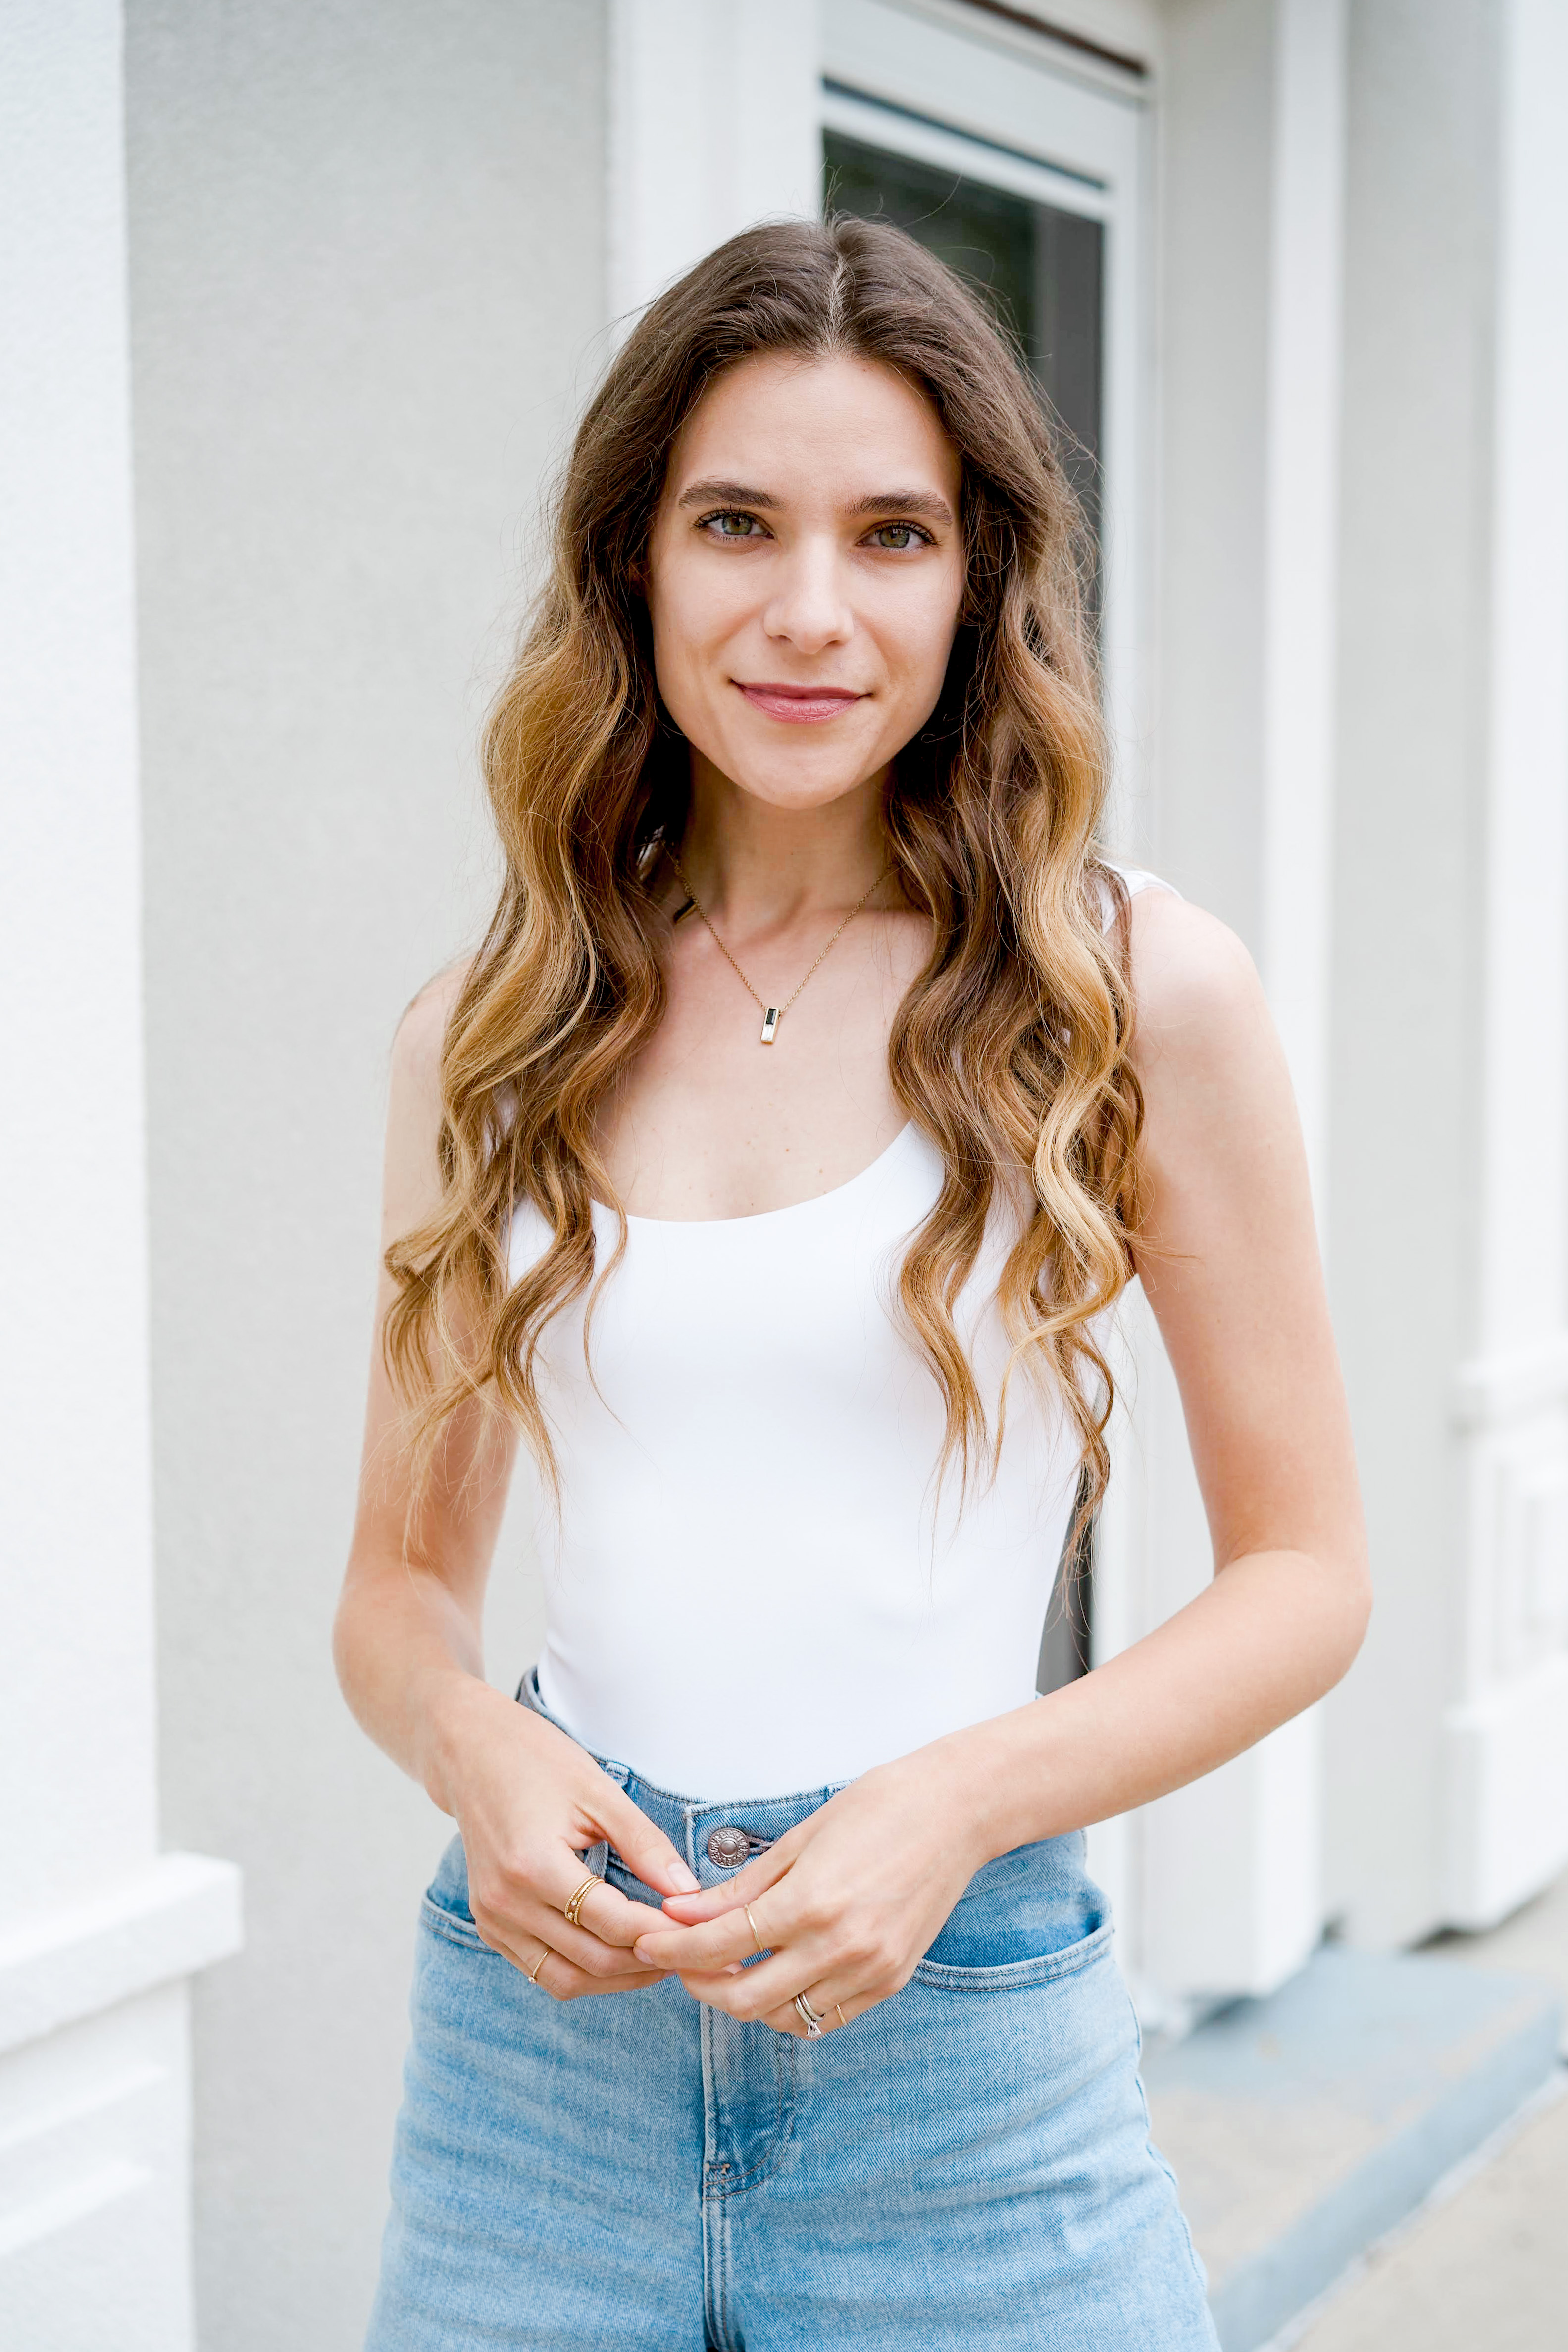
806, 572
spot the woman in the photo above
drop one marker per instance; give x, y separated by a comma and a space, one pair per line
761, 1188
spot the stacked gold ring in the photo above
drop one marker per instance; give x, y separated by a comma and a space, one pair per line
569, 1910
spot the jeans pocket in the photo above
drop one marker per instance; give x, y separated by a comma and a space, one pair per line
1019, 1976
1027, 1917
444, 1909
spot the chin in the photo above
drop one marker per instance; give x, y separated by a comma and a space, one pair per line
796, 790
795, 778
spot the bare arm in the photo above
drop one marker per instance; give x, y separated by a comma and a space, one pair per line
408, 1646
1230, 1266
1232, 1272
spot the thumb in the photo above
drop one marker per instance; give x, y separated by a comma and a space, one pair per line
646, 1851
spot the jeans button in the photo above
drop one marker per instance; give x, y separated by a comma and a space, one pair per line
728, 1847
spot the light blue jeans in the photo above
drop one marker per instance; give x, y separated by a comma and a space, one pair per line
967, 2165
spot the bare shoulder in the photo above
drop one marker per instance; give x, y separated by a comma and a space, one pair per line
1199, 1000
413, 1183
421, 1033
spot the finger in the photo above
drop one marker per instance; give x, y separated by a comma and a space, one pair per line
647, 1853
835, 2014
600, 1949
757, 1991
554, 1973
746, 1886
610, 1917
603, 1912
736, 1937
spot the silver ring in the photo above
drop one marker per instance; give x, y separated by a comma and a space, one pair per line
810, 2018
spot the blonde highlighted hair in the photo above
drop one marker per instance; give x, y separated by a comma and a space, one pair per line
1009, 1050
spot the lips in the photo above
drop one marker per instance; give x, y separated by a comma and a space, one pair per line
800, 706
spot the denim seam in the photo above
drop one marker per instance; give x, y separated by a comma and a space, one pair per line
1199, 2272
784, 2116
715, 2251
457, 1931
722, 2220
1014, 1975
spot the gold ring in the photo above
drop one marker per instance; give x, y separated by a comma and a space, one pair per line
752, 1926
534, 1972
569, 1911
842, 2018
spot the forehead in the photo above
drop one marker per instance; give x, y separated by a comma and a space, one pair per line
830, 424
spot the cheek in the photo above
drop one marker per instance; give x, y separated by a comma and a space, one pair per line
690, 623
920, 640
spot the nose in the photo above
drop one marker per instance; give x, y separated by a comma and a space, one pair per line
808, 607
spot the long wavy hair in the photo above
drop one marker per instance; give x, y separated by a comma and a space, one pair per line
1010, 1049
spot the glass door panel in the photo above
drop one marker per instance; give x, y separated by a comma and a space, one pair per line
1040, 267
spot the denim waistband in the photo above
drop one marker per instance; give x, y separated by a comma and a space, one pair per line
690, 1821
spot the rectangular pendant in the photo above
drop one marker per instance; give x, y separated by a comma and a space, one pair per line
770, 1023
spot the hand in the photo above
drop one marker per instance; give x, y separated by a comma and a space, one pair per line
528, 1800
847, 1903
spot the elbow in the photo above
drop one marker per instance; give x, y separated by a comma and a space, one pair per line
346, 1633
1352, 1613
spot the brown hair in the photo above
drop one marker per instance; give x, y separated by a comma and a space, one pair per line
1009, 1051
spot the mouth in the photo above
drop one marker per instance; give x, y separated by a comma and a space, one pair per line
800, 706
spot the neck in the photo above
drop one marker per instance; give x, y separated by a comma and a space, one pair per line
746, 859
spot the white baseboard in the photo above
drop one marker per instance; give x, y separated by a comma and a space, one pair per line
180, 1915
95, 2234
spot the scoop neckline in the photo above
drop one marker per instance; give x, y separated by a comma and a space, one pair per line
790, 1208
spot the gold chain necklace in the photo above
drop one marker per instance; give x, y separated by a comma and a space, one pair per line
772, 1014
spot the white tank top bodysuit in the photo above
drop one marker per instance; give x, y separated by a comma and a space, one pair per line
753, 1585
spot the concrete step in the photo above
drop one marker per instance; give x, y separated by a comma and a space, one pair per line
1302, 2127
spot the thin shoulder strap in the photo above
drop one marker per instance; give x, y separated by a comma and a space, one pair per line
1133, 879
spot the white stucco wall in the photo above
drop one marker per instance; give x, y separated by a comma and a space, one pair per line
1451, 1076
366, 281
1421, 227
98, 1931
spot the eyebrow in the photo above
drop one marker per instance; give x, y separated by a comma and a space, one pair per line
926, 504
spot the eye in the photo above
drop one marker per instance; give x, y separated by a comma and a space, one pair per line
731, 522
897, 538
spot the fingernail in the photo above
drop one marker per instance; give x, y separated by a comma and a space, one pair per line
684, 1879
647, 1959
734, 1968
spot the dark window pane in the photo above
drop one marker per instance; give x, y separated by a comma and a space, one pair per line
1039, 267
985, 233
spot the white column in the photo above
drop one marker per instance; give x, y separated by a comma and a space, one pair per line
1300, 562
1229, 1887
714, 123
1506, 1735
97, 1931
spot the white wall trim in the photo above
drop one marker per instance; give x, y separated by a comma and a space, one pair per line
1505, 1769
1129, 31
58, 2208
174, 1919
1522, 1125
1301, 559
1494, 1392
694, 156
963, 152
